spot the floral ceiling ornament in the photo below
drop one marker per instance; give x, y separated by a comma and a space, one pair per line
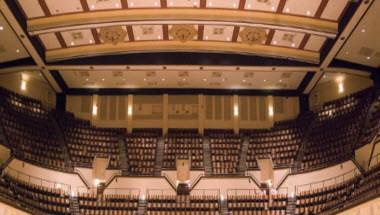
252, 36
114, 34
183, 33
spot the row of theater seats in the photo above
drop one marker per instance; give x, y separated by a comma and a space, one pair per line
183, 144
281, 142
85, 141
90, 204
189, 205
141, 152
334, 132
312, 201
257, 204
27, 126
225, 151
335, 196
35, 197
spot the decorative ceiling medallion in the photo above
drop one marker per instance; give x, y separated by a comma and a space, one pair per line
252, 36
114, 34
183, 33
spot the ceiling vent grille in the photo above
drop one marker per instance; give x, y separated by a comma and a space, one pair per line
365, 51
117, 73
183, 74
150, 74
288, 37
286, 75
84, 74
216, 74
77, 35
249, 75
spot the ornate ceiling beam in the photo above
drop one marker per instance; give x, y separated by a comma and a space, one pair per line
183, 16
175, 46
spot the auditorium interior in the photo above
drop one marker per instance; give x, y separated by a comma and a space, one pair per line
189, 107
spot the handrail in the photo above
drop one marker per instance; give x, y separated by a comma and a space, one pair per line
85, 181
196, 180
171, 182
375, 158
39, 181
113, 176
344, 177
254, 179
235, 192
286, 175
122, 191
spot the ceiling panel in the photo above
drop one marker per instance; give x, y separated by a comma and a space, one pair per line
295, 7
10, 47
222, 4
315, 43
287, 39
218, 32
60, 7
363, 46
50, 41
103, 5
31, 8
148, 32
156, 77
79, 37
183, 3
334, 9
270, 5
144, 3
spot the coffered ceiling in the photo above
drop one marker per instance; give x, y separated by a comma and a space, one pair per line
276, 28
268, 45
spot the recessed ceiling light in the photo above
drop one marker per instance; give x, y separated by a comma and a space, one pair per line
159, 37
91, 41
293, 45
273, 9
206, 37
103, 79
234, 5
347, 53
228, 39
287, 10
162, 79
210, 3
171, 3
195, 3
72, 43
144, 79
184, 79
308, 12
248, 6
244, 80
265, 80
155, 3
132, 4
274, 42
363, 30
368, 58
205, 79
92, 6
117, 5
18, 50
280, 80
1, 28
86, 79
224, 79
137, 38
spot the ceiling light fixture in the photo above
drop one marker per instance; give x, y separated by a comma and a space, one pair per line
248, 6
1, 28
103, 79
308, 12
234, 5
155, 3
210, 3
205, 79
17, 50
92, 6
274, 42
72, 43
91, 41
117, 5
287, 10
171, 3
273, 9
368, 57
363, 30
